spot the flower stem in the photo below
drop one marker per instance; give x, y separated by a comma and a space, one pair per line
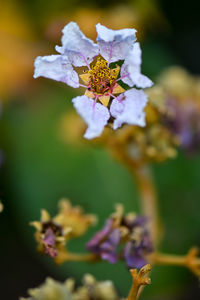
139, 279
141, 172
148, 196
190, 260
68, 256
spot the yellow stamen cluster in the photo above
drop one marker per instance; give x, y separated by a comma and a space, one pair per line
101, 76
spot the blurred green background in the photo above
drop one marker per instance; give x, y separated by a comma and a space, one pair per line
40, 167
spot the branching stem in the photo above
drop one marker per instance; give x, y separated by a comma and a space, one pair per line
190, 260
140, 279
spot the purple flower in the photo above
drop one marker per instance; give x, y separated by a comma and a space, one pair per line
184, 121
109, 247
105, 242
123, 237
135, 251
52, 234
100, 236
104, 98
133, 256
131, 223
49, 241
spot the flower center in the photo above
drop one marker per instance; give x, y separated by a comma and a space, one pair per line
101, 81
101, 76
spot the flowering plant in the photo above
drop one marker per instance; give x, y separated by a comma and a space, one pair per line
151, 132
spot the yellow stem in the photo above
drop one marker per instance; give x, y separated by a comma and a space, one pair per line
190, 260
133, 292
140, 279
148, 196
169, 259
141, 172
68, 256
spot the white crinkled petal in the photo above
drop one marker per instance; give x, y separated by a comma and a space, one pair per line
131, 69
125, 74
95, 115
80, 50
115, 44
129, 108
56, 67
141, 81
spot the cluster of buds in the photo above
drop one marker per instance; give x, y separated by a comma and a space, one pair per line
52, 234
123, 237
140, 145
182, 101
172, 121
153, 143
90, 288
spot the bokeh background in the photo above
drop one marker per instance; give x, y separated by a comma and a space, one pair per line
40, 165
